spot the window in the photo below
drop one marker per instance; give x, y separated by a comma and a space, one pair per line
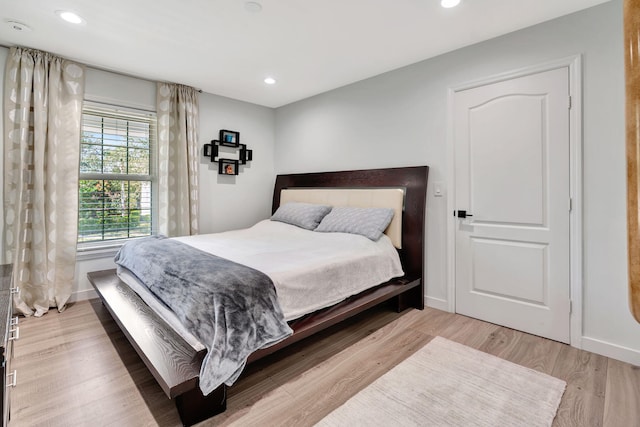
116, 174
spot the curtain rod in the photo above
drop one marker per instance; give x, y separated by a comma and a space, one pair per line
106, 69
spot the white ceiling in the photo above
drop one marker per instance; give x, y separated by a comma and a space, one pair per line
308, 46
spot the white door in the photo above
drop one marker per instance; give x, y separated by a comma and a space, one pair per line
511, 144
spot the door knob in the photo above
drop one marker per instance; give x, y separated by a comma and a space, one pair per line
463, 214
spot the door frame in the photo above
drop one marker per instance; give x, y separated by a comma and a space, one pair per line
574, 63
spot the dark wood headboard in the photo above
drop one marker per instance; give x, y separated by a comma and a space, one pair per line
412, 179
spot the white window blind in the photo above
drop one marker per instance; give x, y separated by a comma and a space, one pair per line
117, 174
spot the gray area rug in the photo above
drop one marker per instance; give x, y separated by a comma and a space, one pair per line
449, 384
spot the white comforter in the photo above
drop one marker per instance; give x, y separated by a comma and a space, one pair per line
310, 270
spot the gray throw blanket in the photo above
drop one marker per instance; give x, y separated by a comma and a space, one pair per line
231, 308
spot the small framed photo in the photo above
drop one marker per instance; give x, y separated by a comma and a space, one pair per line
227, 167
229, 138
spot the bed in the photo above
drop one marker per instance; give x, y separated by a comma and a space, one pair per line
175, 361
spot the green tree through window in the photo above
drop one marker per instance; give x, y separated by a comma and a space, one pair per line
116, 174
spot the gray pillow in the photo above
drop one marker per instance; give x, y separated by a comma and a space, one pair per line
305, 215
369, 222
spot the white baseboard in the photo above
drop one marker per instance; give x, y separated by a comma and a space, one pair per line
613, 351
604, 348
437, 303
83, 295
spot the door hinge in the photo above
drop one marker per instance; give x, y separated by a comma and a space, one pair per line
570, 307
570, 104
570, 204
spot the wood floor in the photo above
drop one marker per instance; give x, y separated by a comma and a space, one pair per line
77, 369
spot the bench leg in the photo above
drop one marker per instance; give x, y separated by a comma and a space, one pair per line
193, 407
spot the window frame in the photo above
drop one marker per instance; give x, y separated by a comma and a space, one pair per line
101, 248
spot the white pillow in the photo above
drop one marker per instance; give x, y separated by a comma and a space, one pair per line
368, 222
304, 215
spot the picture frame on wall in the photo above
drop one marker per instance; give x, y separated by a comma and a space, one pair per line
229, 138
228, 167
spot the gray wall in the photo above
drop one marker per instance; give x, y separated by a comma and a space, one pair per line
400, 118
230, 202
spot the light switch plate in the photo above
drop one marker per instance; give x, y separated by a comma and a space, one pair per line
438, 189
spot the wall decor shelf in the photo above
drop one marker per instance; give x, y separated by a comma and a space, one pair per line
226, 166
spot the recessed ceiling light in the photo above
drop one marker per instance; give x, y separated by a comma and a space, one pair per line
449, 3
270, 81
69, 16
252, 7
18, 26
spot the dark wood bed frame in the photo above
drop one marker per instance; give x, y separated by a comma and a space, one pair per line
176, 365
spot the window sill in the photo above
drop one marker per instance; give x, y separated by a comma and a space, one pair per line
102, 249
98, 251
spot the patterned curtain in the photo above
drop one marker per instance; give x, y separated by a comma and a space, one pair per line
42, 111
178, 122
